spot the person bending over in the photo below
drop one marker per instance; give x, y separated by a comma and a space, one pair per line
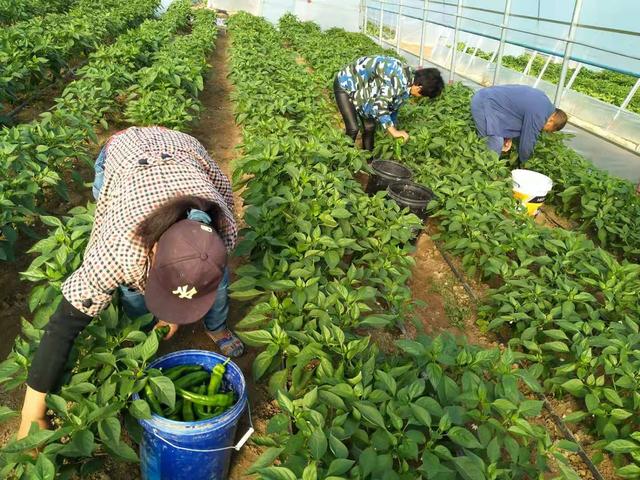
162, 230
372, 89
508, 111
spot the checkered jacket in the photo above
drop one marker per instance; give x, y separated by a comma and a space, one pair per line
144, 169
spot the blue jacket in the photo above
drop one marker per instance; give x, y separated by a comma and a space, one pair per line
509, 111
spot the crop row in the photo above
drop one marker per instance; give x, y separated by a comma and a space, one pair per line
166, 93
34, 154
606, 85
110, 356
569, 307
12, 11
327, 262
35, 51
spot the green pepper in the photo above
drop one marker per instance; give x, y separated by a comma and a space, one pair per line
217, 400
216, 377
187, 411
162, 331
200, 410
153, 401
176, 408
174, 373
191, 379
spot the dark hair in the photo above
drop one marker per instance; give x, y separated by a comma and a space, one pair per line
176, 209
430, 82
559, 119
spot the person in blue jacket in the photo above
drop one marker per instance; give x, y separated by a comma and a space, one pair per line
504, 112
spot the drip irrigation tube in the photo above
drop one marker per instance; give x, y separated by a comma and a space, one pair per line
568, 435
66, 77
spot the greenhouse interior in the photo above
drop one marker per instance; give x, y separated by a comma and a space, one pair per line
312, 239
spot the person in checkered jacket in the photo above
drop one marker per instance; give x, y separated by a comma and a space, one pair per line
163, 228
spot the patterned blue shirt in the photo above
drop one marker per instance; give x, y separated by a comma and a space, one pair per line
377, 86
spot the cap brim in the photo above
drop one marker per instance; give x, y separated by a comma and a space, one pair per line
173, 309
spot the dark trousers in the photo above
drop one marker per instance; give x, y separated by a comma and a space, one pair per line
351, 117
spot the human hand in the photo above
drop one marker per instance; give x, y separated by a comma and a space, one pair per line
173, 328
398, 133
33, 410
506, 146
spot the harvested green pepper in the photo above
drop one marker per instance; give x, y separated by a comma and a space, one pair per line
187, 411
200, 410
153, 401
217, 400
162, 331
191, 379
216, 377
177, 372
175, 410
217, 373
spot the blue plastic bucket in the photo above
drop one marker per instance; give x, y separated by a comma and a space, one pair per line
200, 450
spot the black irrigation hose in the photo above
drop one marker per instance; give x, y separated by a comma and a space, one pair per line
458, 274
568, 435
42, 91
556, 418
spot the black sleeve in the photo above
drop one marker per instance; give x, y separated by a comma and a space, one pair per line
48, 364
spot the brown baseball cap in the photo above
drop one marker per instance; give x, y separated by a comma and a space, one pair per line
185, 273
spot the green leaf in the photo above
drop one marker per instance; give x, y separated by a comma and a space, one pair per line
317, 444
164, 390
557, 346
140, 409
266, 459
277, 473
463, 437
246, 294
622, 446
421, 414
338, 448
340, 466
31, 441
6, 413
256, 338
310, 472
147, 349
371, 414
109, 431
81, 445
123, 451
285, 403
263, 361
620, 414
574, 386
45, 469
611, 395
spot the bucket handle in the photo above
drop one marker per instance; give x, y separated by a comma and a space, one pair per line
237, 446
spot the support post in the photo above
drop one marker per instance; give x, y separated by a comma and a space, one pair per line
398, 24
567, 51
454, 47
425, 10
363, 12
381, 19
542, 70
503, 38
628, 99
527, 69
572, 79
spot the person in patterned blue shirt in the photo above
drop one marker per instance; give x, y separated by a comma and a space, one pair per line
372, 89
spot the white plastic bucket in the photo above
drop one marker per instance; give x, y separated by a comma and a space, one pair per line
530, 188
